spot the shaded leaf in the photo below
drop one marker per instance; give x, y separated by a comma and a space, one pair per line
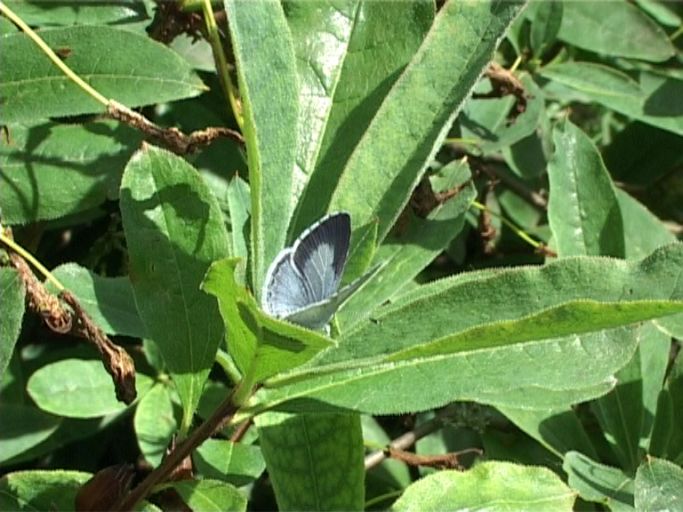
174, 230
154, 423
22, 428
237, 463
598, 482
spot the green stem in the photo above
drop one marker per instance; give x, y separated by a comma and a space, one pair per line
213, 36
519, 232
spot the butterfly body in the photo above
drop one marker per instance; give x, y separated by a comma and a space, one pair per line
302, 283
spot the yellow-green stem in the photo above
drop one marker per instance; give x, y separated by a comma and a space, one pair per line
29, 257
228, 87
519, 232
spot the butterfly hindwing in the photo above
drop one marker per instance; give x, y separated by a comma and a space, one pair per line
284, 291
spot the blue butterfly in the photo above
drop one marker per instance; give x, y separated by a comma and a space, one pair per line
302, 283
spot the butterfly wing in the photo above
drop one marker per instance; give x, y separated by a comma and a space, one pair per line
318, 315
284, 290
319, 254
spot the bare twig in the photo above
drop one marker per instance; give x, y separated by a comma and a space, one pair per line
172, 138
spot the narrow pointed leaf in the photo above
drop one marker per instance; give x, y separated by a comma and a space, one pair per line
262, 45
389, 160
349, 55
120, 64
174, 230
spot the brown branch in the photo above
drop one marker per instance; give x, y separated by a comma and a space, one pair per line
178, 454
172, 138
449, 460
76, 321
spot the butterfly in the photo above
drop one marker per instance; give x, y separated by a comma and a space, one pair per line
301, 284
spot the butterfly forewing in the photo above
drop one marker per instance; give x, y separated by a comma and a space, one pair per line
284, 291
319, 255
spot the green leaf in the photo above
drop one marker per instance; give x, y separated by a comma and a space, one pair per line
128, 67
597, 482
263, 48
559, 430
545, 24
315, 461
583, 211
397, 362
361, 252
22, 428
12, 300
667, 434
654, 353
174, 230
210, 495
49, 13
237, 463
657, 105
347, 63
389, 476
643, 232
42, 158
75, 388
490, 486
413, 120
154, 423
41, 490
108, 300
239, 206
600, 26
261, 346
404, 256
592, 78
658, 485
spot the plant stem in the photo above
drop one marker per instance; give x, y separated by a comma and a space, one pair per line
228, 87
218, 419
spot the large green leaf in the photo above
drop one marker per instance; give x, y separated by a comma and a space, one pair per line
396, 362
261, 346
489, 486
108, 300
347, 64
263, 49
128, 67
75, 388
12, 300
410, 125
583, 210
599, 26
314, 461
590, 78
174, 230
210, 495
598, 482
51, 170
41, 490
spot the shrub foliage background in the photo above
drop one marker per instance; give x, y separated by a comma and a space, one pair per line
525, 217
